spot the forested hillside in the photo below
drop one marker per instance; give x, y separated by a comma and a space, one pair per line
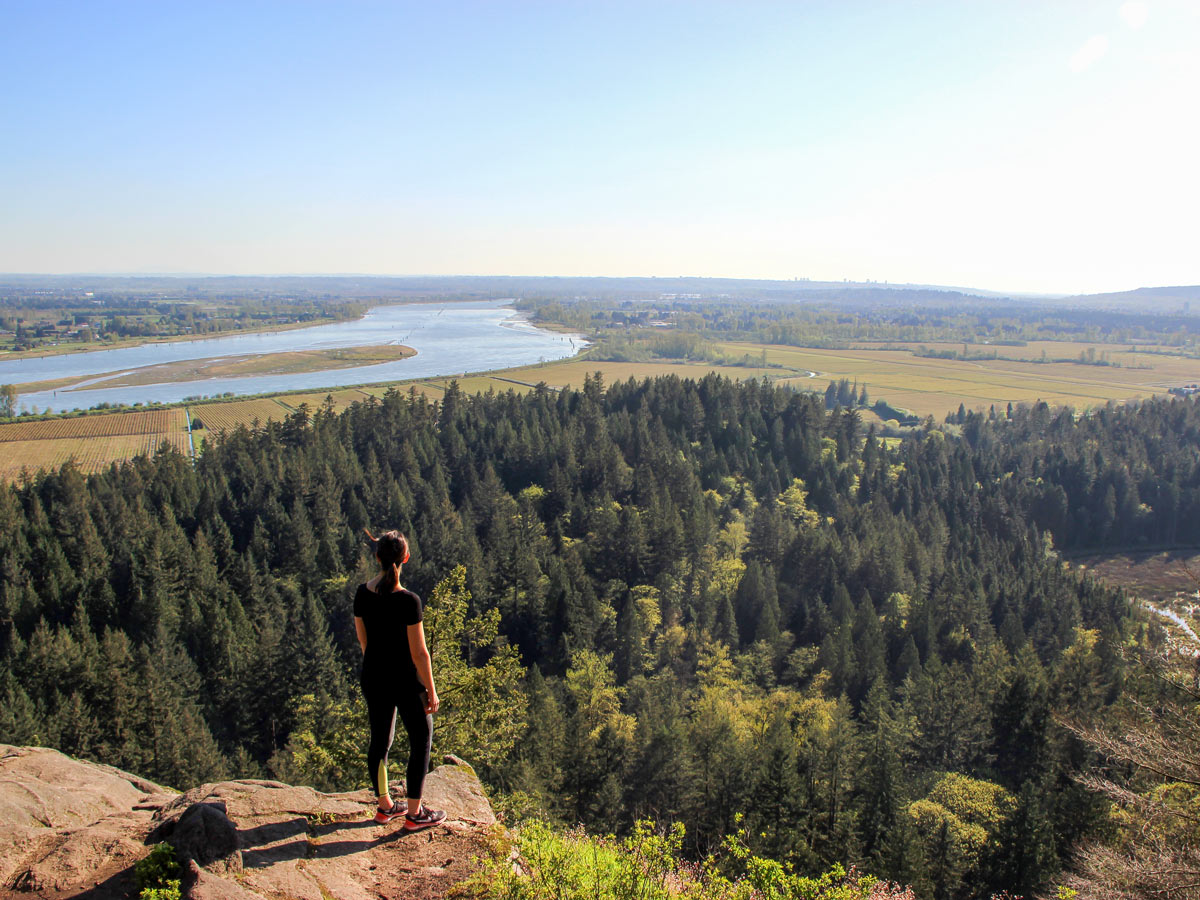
1120, 476
727, 602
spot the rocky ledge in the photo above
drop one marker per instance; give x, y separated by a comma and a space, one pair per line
70, 828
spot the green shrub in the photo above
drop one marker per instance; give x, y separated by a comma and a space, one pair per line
541, 862
158, 874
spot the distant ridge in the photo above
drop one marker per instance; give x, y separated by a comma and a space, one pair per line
646, 288
1146, 299
857, 294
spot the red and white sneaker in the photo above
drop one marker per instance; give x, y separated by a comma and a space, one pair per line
426, 818
382, 817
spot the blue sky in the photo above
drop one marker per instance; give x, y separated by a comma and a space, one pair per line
1013, 146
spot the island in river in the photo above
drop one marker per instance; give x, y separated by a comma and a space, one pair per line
290, 362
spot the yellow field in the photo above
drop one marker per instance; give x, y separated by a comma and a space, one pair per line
227, 416
151, 421
925, 386
378, 390
573, 372
937, 386
93, 442
316, 400
434, 388
1037, 350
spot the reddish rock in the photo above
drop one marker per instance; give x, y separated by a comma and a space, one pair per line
71, 828
68, 826
298, 842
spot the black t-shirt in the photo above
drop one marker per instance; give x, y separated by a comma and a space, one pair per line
388, 660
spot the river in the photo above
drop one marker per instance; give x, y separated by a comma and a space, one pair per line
450, 339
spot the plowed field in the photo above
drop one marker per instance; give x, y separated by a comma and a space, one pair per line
315, 400
149, 422
29, 446
219, 417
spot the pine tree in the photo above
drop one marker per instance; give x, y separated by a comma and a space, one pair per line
776, 795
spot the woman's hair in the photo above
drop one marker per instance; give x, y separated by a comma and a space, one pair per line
391, 549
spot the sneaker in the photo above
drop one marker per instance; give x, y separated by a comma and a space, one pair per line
396, 811
426, 818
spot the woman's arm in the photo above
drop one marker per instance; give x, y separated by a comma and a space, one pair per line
360, 628
421, 659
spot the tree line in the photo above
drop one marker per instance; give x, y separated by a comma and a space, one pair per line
841, 318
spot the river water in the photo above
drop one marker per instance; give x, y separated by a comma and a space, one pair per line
450, 339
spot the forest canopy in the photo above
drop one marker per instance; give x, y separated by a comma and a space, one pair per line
702, 602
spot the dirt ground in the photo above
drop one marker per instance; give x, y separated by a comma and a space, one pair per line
1150, 575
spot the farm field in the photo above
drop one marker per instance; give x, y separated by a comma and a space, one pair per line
224, 415
315, 400
219, 417
937, 386
1035, 351
925, 386
151, 421
573, 372
94, 442
434, 388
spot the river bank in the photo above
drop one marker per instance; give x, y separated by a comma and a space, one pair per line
73, 349
448, 339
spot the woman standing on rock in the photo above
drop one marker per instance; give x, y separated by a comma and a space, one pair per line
397, 676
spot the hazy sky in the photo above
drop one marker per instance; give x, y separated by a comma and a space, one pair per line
1016, 146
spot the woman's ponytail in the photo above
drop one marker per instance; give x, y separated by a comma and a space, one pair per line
391, 549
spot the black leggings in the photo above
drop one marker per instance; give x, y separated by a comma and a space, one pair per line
382, 707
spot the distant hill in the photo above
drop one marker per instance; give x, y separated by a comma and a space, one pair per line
1143, 299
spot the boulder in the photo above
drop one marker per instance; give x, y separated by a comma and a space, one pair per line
68, 825
202, 833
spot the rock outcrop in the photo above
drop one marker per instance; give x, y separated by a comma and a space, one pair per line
70, 828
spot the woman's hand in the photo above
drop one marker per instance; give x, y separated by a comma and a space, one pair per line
431, 702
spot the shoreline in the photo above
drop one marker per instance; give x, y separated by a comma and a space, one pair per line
127, 343
130, 342
404, 384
